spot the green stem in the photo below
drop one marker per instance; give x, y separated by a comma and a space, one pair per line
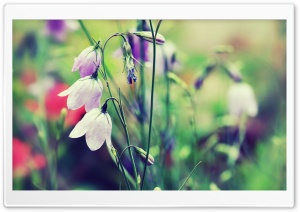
110, 93
123, 121
131, 146
120, 164
152, 95
142, 85
86, 32
189, 176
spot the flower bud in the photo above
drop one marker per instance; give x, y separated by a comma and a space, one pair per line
139, 179
129, 64
62, 117
143, 156
233, 72
127, 49
199, 82
147, 35
113, 151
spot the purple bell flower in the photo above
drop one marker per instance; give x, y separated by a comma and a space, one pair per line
87, 61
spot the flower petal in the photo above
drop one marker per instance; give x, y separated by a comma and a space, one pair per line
99, 131
66, 92
80, 60
77, 64
95, 95
82, 126
90, 63
79, 93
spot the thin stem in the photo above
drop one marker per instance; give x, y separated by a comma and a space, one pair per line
122, 170
189, 176
123, 121
121, 117
112, 99
103, 49
143, 88
152, 95
86, 32
110, 93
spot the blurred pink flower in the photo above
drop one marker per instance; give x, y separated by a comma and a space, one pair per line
96, 126
87, 61
85, 91
24, 161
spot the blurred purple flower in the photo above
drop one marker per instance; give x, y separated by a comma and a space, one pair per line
28, 44
87, 61
135, 43
58, 28
241, 100
209, 68
85, 91
96, 125
233, 71
199, 82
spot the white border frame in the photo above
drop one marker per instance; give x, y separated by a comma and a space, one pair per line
147, 198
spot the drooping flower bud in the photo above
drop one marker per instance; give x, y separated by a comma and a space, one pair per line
129, 64
199, 82
113, 151
147, 35
143, 156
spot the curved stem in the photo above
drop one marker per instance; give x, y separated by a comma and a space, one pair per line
112, 99
122, 169
152, 94
110, 93
189, 176
103, 49
123, 121
125, 149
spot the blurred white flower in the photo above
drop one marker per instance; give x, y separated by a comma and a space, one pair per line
96, 126
165, 58
241, 99
85, 91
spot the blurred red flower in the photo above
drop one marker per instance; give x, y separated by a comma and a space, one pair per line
24, 161
54, 104
28, 76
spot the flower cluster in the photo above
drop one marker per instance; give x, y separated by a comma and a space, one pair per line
88, 89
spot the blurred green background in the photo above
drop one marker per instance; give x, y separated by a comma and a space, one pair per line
42, 63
